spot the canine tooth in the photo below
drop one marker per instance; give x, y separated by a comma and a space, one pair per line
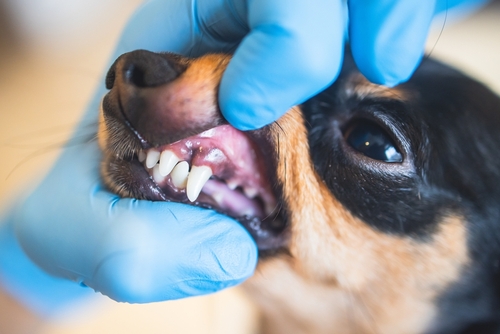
152, 158
157, 175
168, 160
250, 192
198, 176
180, 174
141, 156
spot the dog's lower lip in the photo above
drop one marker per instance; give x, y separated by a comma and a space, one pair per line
147, 188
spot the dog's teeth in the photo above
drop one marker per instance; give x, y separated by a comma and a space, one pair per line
141, 156
218, 197
152, 158
157, 175
249, 212
250, 192
232, 184
168, 160
180, 174
198, 176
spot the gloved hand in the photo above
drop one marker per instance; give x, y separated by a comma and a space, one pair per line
127, 249
285, 52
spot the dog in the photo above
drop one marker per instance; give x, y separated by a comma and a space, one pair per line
375, 209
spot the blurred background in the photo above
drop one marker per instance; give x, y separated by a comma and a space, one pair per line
52, 55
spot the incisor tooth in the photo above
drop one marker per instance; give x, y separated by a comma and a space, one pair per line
250, 192
157, 175
168, 160
152, 158
198, 176
218, 197
180, 174
141, 156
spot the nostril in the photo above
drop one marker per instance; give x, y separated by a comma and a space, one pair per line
135, 75
110, 77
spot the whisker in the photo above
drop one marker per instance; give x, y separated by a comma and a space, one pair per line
278, 206
440, 32
21, 141
363, 310
350, 309
367, 314
52, 147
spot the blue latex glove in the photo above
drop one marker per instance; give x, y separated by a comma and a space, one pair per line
285, 52
288, 50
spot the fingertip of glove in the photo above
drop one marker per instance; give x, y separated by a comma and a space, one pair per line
129, 281
387, 71
176, 260
247, 117
386, 79
236, 263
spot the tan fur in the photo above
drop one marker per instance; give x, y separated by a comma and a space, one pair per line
102, 132
341, 276
358, 86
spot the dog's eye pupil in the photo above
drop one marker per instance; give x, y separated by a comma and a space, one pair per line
372, 141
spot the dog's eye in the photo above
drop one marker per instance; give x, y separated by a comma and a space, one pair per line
371, 140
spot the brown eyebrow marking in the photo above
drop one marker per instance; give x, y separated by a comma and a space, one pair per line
358, 86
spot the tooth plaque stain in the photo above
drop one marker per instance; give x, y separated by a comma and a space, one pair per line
207, 134
215, 156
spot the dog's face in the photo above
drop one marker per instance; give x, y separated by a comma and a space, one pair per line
377, 208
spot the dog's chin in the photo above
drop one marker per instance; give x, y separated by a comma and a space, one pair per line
220, 169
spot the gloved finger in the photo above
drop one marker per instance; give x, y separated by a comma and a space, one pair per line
188, 27
293, 51
387, 37
130, 250
189, 252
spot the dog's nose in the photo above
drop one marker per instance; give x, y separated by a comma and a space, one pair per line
143, 69
165, 97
